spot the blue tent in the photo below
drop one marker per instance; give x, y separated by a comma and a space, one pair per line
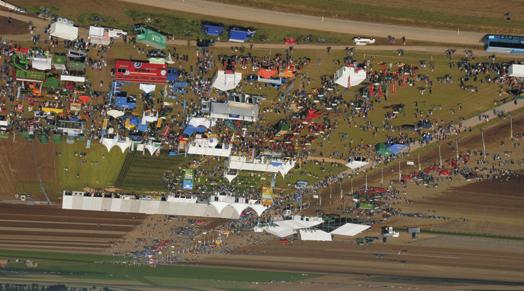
213, 29
172, 74
187, 184
142, 127
190, 130
125, 103
240, 35
135, 121
397, 148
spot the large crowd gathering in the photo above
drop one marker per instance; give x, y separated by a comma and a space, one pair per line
305, 115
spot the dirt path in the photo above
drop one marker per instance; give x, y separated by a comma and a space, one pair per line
315, 22
41, 23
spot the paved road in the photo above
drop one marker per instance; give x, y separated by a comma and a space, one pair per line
315, 22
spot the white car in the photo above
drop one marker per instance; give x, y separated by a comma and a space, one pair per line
360, 40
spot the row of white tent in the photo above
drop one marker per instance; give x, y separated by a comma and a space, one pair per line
65, 29
218, 206
347, 76
126, 143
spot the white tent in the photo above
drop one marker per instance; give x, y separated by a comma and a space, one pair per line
76, 79
124, 144
148, 117
314, 235
99, 35
260, 165
279, 231
225, 81
516, 70
208, 147
41, 64
152, 148
109, 143
115, 113
63, 29
230, 175
201, 121
299, 222
357, 163
349, 76
147, 88
350, 229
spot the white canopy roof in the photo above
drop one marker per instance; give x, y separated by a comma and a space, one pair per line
148, 88
115, 113
516, 70
42, 64
348, 76
279, 231
350, 229
226, 81
96, 31
355, 164
300, 223
315, 235
75, 79
201, 121
63, 30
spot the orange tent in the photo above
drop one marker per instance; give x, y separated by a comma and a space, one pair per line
267, 73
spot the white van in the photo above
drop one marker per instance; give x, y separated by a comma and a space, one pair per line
361, 40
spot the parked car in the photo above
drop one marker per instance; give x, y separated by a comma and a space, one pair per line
362, 40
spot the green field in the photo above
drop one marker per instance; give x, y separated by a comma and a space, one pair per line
96, 169
143, 172
66, 267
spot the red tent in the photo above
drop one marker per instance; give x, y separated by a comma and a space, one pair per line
444, 173
84, 99
312, 114
290, 41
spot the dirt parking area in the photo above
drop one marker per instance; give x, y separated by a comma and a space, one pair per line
54, 229
13, 26
24, 166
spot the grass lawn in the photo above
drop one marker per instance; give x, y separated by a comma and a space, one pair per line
97, 169
77, 266
143, 172
479, 15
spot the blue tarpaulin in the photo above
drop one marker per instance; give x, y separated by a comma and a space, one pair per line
190, 130
180, 84
213, 29
240, 35
397, 148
